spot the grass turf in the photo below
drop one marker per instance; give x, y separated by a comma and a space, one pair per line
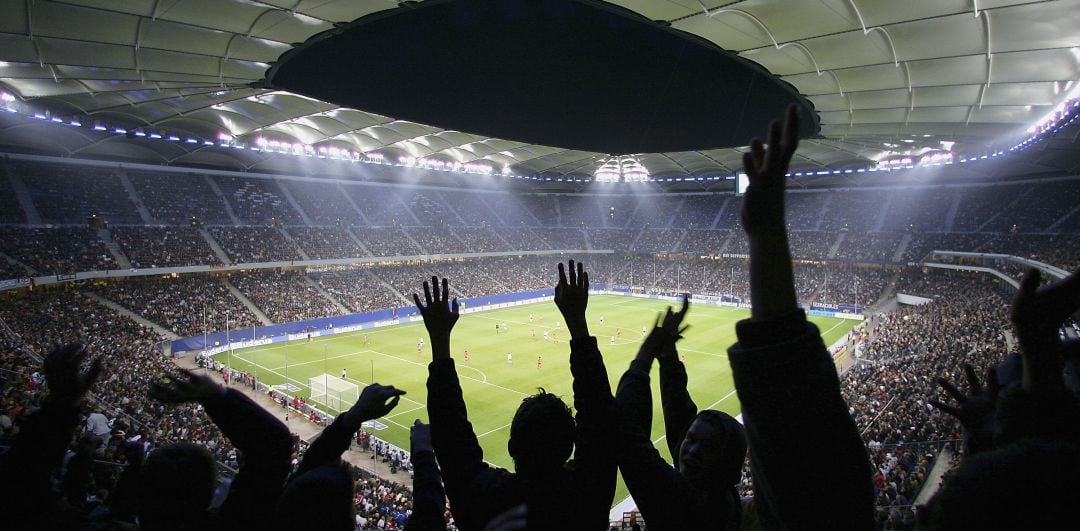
493, 388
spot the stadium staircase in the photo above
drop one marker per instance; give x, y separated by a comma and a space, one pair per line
821, 211
247, 303
588, 242
682, 236
318, 287
1008, 208
23, 195
934, 477
408, 211
510, 246
133, 194
558, 212
285, 234
836, 245
1054, 227
902, 248
352, 202
224, 201
356, 239
950, 216
883, 213
169, 334
215, 246
292, 201
641, 232
375, 278
450, 206
720, 213
410, 238
727, 242
13, 261
887, 293
122, 261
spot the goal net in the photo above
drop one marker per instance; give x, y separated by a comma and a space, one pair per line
333, 392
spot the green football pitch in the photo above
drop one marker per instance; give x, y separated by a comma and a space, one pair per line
494, 387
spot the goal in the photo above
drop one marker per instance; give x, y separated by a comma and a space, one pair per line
333, 392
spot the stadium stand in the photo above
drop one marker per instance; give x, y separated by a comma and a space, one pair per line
321, 243
187, 305
175, 199
257, 201
284, 296
57, 250
254, 244
163, 246
323, 202
68, 194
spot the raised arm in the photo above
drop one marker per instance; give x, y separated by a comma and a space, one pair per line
456, 446
594, 463
374, 402
264, 441
1042, 407
785, 378
39, 448
679, 409
663, 495
429, 499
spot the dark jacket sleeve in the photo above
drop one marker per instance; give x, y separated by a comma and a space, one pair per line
792, 408
27, 467
661, 493
266, 446
679, 408
429, 500
328, 447
595, 465
467, 478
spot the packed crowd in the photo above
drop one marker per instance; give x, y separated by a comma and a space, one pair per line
325, 243
257, 201
69, 193
388, 241
163, 246
245, 245
358, 289
56, 251
188, 305
175, 201
284, 296
890, 392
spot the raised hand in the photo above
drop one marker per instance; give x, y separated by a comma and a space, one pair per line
772, 281
673, 328
976, 410
67, 382
572, 297
440, 314
763, 204
420, 437
187, 386
666, 332
1037, 313
375, 401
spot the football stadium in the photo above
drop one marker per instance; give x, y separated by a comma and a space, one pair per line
539, 264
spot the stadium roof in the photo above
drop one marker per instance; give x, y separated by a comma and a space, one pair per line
887, 77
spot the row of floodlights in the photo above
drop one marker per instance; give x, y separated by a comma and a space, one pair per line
1063, 115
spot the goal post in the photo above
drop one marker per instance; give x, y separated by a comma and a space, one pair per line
333, 392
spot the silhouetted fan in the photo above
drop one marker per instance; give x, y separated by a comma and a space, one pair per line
576, 74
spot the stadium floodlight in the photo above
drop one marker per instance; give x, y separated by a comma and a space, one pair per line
621, 168
333, 392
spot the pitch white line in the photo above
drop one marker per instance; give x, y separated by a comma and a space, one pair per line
515, 391
492, 431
